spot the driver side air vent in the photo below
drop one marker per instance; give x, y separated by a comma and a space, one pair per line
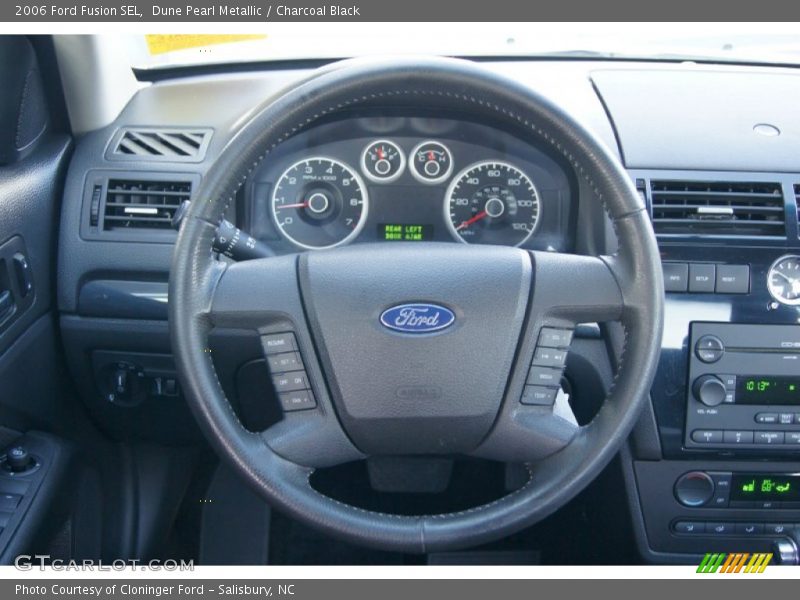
718, 208
174, 145
138, 204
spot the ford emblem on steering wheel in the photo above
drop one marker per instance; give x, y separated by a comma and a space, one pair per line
417, 318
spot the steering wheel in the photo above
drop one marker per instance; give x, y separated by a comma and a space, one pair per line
451, 391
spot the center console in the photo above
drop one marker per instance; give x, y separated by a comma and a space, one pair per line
715, 467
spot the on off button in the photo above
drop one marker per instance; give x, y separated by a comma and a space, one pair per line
709, 348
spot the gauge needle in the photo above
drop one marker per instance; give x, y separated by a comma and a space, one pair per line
469, 222
298, 205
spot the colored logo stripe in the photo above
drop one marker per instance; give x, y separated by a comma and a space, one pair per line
734, 563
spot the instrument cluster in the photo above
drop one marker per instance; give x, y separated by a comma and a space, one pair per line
389, 179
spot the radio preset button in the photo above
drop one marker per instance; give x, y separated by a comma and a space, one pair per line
707, 436
709, 348
737, 437
769, 437
793, 437
694, 488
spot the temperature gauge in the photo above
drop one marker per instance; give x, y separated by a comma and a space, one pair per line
383, 161
783, 280
431, 162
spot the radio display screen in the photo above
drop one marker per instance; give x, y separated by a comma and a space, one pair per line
765, 486
767, 390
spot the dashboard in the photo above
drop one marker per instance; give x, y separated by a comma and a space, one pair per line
399, 178
723, 198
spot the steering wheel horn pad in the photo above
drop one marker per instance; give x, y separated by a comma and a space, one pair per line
453, 391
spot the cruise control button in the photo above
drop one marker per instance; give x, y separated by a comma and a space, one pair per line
297, 400
290, 382
707, 436
733, 279
279, 342
549, 357
544, 376
750, 528
701, 278
709, 348
689, 527
767, 418
550, 337
738, 437
768, 437
285, 361
538, 395
676, 277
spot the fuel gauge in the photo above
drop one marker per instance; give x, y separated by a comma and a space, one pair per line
383, 161
431, 162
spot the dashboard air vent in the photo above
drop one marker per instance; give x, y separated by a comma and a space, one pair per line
718, 208
182, 145
136, 204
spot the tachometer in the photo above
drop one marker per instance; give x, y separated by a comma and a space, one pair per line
319, 203
492, 202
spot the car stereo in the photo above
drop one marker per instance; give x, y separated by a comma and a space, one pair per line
744, 387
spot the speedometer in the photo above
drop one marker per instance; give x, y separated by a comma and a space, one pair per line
319, 203
492, 202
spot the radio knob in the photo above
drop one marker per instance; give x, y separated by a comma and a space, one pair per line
694, 489
709, 390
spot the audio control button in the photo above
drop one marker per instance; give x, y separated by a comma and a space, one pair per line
767, 418
707, 436
709, 390
786, 418
694, 488
729, 381
709, 348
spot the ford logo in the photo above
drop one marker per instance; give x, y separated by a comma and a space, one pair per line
417, 318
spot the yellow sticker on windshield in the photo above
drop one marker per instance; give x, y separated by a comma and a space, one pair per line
161, 44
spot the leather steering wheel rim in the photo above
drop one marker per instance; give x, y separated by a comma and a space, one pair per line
415, 83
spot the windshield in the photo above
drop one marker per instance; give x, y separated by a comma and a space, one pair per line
777, 43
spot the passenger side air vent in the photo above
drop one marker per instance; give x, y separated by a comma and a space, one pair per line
174, 145
135, 204
718, 208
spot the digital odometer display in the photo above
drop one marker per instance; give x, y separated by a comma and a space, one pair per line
750, 486
401, 232
768, 390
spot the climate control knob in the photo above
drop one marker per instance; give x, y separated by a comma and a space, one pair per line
709, 390
694, 488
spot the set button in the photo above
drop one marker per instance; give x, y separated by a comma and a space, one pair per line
288, 373
746, 437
